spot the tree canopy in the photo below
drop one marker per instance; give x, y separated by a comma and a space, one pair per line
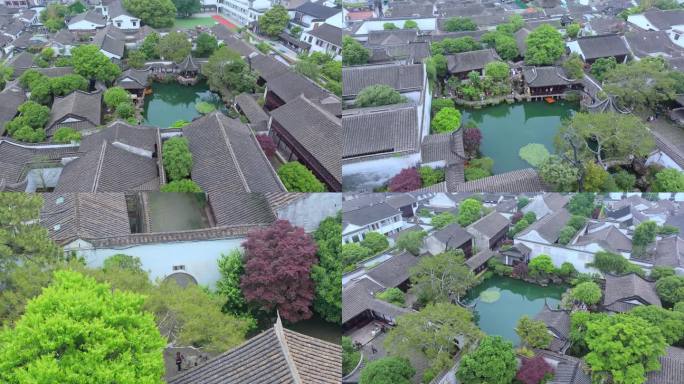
92, 64
155, 13
353, 53
274, 21
227, 70
177, 158
493, 362
441, 278
545, 45
377, 95
533, 332
469, 211
185, 8
327, 272
174, 46
298, 178
80, 331
388, 370
446, 120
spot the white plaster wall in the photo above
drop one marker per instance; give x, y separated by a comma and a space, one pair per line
424, 24
127, 22
662, 158
366, 175
560, 255
311, 210
199, 257
84, 25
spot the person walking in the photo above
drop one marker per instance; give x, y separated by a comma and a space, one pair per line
179, 360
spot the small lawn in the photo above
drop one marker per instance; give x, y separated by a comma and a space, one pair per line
192, 22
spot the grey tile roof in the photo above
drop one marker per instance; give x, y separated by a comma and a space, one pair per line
670, 252
258, 118
111, 40
479, 259
369, 214
318, 131
520, 39
380, 132
109, 168
443, 146
317, 10
453, 236
137, 136
412, 52
71, 216
268, 67
609, 238
567, 369
21, 62
402, 77
232, 209
646, 43
621, 288
549, 226
358, 297
15, 159
491, 224
392, 37
394, 271
227, 158
329, 33
409, 10
664, 20
558, 321
92, 16
134, 79
470, 61
671, 368
277, 355
116, 9
84, 105
523, 180
65, 37
55, 71
10, 99
594, 47
291, 85
546, 76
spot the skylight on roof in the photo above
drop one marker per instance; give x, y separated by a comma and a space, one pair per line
59, 200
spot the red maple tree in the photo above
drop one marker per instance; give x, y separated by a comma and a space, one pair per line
278, 262
267, 144
405, 181
534, 370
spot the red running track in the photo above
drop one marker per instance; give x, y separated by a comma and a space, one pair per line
224, 22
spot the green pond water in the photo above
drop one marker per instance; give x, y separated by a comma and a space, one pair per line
508, 127
501, 301
176, 211
170, 102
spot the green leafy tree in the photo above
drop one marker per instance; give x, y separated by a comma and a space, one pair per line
186, 8
352, 253
608, 262
493, 362
28, 126
572, 30
191, 316
645, 233
541, 266
231, 266
375, 241
298, 178
582, 204
597, 179
439, 104
387, 370
456, 24
588, 293
79, 331
430, 176
559, 174
533, 332
671, 289
446, 120
327, 273
64, 85
125, 110
377, 95
6, 73
443, 219
66, 135
431, 332
669, 180
115, 96
441, 278
353, 53
566, 234
670, 323
308, 69
624, 180
206, 44
155, 13
274, 21
660, 271
623, 348
136, 59
389, 26
174, 46
469, 211
602, 66
92, 64
411, 241
455, 45
574, 66
181, 186
545, 45
410, 24
177, 158
227, 70
393, 295
350, 356
498, 70
149, 46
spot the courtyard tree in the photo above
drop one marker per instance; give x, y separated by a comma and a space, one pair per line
441, 278
298, 178
28, 125
353, 53
375, 241
308, 69
545, 45
352, 253
116, 95
669, 180
446, 120
493, 362
350, 356
498, 70
136, 59
572, 30
559, 174
411, 241
79, 330
177, 158
469, 211
602, 66
671, 289
541, 266
608, 262
206, 44
645, 233
149, 46
377, 95
66, 135
155, 13
393, 295
582, 204
456, 24
431, 331
534, 371
190, 316
670, 323
327, 272
472, 137
587, 292
186, 8
174, 46
623, 348
533, 333
407, 180
181, 186
231, 266
443, 219
92, 64
387, 370
574, 66
226, 70
274, 21
410, 24
278, 262
66, 84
